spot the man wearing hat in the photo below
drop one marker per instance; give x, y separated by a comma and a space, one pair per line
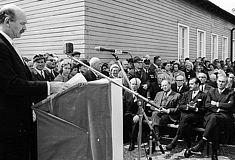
76, 55
138, 72
39, 73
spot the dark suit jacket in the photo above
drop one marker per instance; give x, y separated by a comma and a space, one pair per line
129, 106
90, 76
200, 99
207, 88
37, 77
225, 99
185, 88
17, 92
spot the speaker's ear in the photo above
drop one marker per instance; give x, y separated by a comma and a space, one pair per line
7, 20
68, 48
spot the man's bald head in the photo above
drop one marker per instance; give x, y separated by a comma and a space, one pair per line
11, 11
12, 20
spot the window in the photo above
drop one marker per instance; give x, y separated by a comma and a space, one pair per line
224, 47
214, 46
183, 41
201, 43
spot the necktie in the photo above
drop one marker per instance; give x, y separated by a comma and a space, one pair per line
193, 95
42, 74
52, 73
220, 91
178, 89
202, 88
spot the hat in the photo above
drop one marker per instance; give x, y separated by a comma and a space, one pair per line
147, 61
137, 59
113, 66
38, 57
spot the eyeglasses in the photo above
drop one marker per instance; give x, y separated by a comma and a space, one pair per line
179, 80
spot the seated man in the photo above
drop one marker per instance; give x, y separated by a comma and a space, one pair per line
131, 114
204, 87
219, 115
179, 86
192, 108
166, 100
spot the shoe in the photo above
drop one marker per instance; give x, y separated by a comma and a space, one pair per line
199, 147
214, 155
187, 153
131, 147
172, 145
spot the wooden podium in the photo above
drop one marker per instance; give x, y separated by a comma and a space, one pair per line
82, 123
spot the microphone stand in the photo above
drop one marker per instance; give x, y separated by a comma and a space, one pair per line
134, 93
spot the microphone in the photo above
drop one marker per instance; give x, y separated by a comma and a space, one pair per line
68, 48
111, 50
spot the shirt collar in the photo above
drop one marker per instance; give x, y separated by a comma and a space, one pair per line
38, 70
221, 91
7, 37
168, 93
196, 92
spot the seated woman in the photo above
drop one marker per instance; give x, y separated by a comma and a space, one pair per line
63, 75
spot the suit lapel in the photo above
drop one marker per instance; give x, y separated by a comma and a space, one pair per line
16, 56
190, 96
170, 97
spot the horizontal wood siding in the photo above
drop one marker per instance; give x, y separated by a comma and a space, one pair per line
138, 26
149, 27
51, 23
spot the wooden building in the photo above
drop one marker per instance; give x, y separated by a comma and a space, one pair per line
173, 29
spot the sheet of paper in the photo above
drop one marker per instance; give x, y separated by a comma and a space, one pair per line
77, 78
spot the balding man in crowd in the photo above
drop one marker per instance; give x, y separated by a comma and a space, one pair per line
219, 115
167, 100
17, 90
204, 87
179, 86
96, 64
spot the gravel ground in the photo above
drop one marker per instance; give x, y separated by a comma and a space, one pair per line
224, 153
